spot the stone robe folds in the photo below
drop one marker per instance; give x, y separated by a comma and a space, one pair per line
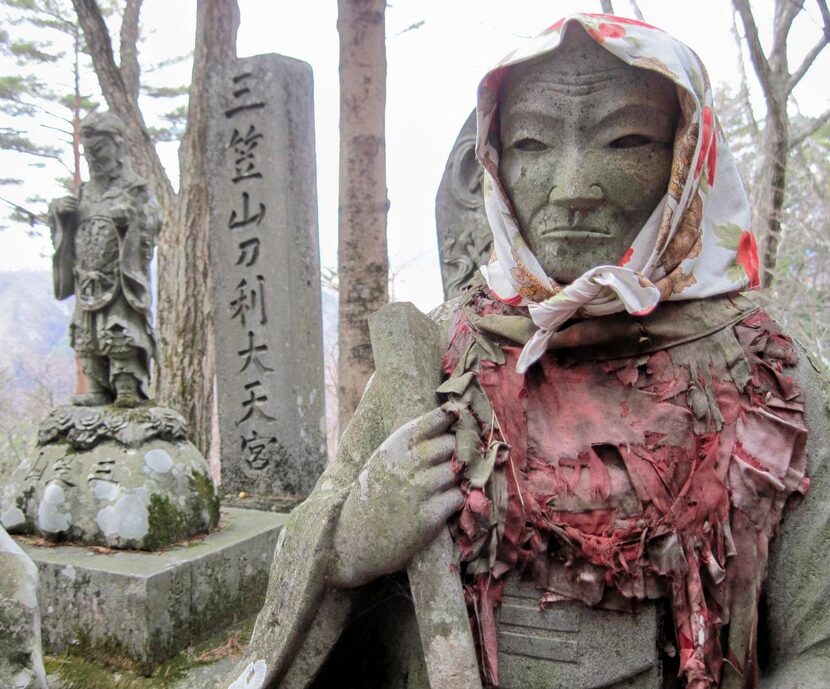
119, 284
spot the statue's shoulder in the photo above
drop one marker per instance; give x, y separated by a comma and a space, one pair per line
814, 385
444, 314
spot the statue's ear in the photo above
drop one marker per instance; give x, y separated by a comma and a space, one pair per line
465, 172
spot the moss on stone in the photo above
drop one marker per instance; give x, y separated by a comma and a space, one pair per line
104, 666
167, 523
202, 486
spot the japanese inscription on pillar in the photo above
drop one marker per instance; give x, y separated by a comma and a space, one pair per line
266, 291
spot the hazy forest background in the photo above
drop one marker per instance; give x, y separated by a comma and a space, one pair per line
61, 59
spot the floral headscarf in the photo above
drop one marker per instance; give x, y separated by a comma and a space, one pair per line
695, 244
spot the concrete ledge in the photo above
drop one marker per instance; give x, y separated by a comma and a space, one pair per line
150, 606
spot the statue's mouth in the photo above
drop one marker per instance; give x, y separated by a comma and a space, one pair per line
576, 232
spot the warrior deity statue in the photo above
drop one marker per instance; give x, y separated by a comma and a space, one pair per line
104, 241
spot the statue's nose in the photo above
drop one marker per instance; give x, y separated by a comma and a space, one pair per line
572, 194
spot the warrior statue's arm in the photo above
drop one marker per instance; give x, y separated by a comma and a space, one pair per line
63, 219
795, 628
60, 215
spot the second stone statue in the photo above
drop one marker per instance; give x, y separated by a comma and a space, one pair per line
113, 468
104, 242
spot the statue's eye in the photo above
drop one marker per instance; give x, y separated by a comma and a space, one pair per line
631, 141
529, 144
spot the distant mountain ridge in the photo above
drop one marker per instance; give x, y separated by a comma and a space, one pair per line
33, 324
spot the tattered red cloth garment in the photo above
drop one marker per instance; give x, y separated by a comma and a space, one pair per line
646, 457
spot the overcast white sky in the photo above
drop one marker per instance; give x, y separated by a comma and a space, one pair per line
433, 71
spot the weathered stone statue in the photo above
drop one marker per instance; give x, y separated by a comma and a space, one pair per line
464, 238
104, 242
113, 468
21, 659
628, 431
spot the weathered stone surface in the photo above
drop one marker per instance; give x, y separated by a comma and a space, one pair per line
266, 291
406, 345
303, 616
573, 645
21, 661
150, 606
464, 238
111, 494
84, 427
796, 623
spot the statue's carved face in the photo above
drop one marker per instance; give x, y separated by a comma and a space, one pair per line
102, 154
586, 152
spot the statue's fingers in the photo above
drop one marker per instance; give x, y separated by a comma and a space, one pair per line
437, 480
437, 450
432, 424
442, 506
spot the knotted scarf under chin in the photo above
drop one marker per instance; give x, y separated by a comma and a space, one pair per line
628, 289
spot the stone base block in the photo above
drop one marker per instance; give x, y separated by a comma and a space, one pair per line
150, 606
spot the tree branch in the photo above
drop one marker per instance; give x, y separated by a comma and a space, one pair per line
743, 92
143, 153
607, 6
637, 12
798, 75
34, 218
756, 52
825, 16
785, 13
815, 124
805, 65
130, 69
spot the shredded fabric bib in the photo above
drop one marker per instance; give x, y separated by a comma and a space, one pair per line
662, 473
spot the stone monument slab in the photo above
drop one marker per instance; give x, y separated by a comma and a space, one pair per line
265, 264
150, 606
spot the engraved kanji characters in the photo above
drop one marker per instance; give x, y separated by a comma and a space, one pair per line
257, 449
249, 297
247, 304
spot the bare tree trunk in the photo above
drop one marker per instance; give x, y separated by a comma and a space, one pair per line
777, 84
362, 257
76, 116
128, 47
81, 381
188, 360
770, 184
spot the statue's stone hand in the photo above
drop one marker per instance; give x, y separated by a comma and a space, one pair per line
65, 205
120, 214
401, 499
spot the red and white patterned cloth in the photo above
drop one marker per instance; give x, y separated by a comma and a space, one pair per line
703, 219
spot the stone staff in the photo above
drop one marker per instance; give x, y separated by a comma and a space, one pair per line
406, 345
